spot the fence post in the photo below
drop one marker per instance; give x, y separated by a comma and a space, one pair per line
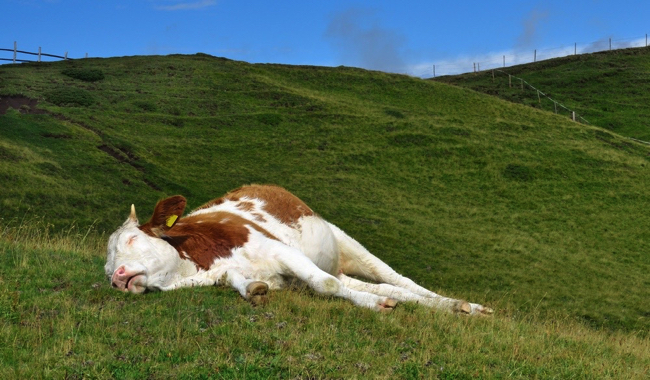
474, 66
535, 56
434, 71
539, 98
509, 80
493, 76
15, 50
575, 49
39, 53
610, 43
478, 65
573, 115
522, 84
555, 106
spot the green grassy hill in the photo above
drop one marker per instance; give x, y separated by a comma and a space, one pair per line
541, 218
610, 89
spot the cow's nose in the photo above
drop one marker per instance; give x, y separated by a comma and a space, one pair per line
120, 278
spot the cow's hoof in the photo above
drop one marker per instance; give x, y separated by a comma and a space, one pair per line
462, 307
387, 306
257, 288
485, 311
256, 293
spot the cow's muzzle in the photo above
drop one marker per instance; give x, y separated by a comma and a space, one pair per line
128, 281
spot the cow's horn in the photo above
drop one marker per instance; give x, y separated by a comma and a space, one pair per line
133, 217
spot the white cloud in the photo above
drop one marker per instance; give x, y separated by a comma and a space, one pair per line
185, 5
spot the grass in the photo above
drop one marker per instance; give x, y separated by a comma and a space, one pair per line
69, 318
469, 195
609, 89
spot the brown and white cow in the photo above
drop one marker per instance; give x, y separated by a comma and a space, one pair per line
257, 238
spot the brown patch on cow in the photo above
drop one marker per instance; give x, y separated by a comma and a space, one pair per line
223, 218
246, 206
259, 217
278, 201
205, 238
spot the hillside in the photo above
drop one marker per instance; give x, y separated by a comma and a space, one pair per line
467, 194
610, 89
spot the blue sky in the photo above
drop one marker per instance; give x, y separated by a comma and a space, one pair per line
398, 36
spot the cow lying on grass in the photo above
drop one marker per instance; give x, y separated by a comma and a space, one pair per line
257, 238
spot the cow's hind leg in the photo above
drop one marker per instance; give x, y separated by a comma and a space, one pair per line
404, 295
296, 264
358, 261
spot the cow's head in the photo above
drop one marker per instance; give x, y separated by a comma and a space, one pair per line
138, 257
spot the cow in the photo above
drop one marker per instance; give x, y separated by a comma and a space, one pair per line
256, 238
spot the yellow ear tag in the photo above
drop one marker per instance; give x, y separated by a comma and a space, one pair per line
170, 221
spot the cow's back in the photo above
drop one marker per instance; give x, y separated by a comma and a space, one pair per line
286, 218
278, 202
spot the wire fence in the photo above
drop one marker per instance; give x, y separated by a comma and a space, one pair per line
490, 61
558, 107
39, 55
538, 96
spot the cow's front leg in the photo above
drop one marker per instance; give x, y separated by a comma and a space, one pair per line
253, 291
198, 279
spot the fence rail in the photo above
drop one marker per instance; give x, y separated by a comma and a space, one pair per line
40, 54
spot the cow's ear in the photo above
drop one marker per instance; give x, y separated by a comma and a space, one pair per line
165, 215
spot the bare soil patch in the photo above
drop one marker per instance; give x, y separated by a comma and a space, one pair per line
21, 103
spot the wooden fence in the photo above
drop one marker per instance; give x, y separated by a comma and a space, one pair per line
39, 55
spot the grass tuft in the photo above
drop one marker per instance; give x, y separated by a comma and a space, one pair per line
83, 74
70, 97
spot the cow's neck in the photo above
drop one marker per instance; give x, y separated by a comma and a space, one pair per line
187, 268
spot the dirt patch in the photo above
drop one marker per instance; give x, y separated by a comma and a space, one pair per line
21, 103
79, 123
56, 136
119, 154
152, 185
113, 153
